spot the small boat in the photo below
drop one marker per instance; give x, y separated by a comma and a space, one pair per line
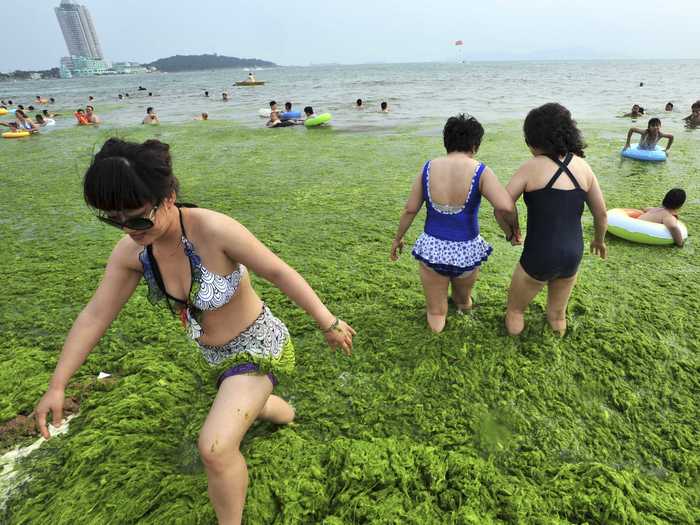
249, 83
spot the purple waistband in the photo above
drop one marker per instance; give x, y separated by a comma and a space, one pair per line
243, 368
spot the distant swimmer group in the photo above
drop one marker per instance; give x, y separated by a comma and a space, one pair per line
648, 148
289, 117
22, 125
383, 105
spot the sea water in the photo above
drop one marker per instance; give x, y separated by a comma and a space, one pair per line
420, 94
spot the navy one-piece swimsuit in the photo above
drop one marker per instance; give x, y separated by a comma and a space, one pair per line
554, 241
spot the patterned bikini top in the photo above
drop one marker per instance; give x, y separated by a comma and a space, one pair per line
208, 290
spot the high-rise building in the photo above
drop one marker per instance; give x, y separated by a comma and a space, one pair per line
78, 30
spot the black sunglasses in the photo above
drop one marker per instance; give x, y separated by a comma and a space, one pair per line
134, 223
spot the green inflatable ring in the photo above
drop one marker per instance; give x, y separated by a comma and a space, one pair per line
318, 120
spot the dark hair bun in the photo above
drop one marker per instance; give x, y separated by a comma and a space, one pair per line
128, 175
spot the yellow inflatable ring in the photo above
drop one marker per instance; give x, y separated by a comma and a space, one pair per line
15, 134
3, 111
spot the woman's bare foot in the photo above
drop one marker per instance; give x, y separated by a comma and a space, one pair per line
558, 325
464, 307
436, 322
515, 322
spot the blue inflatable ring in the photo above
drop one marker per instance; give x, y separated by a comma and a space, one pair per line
648, 155
288, 115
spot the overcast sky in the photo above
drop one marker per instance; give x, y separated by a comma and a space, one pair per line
300, 32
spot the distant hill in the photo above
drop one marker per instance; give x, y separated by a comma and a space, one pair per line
199, 62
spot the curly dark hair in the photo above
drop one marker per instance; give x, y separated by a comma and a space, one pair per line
550, 129
128, 175
462, 133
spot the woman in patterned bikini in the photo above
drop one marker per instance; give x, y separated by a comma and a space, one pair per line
196, 262
451, 250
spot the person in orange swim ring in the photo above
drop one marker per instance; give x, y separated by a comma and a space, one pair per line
82, 118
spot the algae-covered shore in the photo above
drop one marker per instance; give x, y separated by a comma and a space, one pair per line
466, 427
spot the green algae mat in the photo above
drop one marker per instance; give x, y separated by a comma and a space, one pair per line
466, 427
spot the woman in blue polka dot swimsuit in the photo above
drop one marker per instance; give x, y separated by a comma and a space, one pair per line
450, 250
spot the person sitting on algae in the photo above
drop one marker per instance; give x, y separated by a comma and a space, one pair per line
451, 250
197, 263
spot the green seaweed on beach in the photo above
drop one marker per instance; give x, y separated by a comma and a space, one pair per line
466, 427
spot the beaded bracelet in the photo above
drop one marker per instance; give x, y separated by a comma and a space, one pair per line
333, 326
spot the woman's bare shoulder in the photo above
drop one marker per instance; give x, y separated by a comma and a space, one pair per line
126, 254
583, 170
534, 165
207, 223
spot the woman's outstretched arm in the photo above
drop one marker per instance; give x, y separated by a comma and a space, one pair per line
118, 284
242, 246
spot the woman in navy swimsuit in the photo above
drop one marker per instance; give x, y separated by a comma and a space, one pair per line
450, 250
195, 262
555, 183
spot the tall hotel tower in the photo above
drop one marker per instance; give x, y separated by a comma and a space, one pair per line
78, 30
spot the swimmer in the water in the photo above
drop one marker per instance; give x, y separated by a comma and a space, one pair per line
151, 117
90, 115
694, 118
637, 111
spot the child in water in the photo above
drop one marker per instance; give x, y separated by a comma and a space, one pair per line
650, 136
667, 214
694, 118
637, 111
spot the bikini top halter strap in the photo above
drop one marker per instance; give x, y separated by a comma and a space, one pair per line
156, 270
182, 224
